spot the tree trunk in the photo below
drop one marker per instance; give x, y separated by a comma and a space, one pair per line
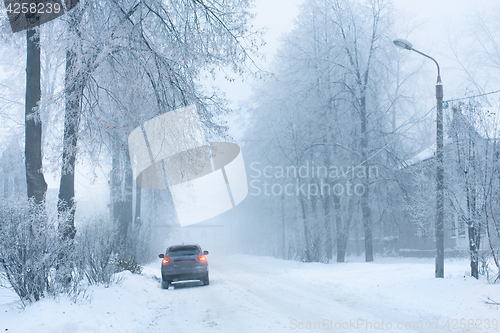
365, 198
36, 185
341, 237
307, 236
327, 200
328, 228
138, 198
283, 229
474, 242
16, 188
357, 241
122, 184
66, 203
343, 228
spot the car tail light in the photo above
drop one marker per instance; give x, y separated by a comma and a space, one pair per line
166, 260
202, 258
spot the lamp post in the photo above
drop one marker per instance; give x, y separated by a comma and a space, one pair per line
439, 273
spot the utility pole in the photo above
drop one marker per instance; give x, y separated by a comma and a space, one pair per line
439, 227
439, 181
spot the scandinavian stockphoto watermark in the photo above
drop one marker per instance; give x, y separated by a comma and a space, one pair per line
310, 180
204, 178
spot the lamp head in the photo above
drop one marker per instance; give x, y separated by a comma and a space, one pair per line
403, 43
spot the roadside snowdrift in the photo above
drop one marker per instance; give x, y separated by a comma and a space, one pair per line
262, 294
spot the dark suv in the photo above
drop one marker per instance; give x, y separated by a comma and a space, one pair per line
183, 263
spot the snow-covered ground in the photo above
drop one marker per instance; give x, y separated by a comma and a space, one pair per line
261, 294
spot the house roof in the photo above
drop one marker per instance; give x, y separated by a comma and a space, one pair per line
424, 154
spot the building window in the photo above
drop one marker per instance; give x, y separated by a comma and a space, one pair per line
461, 226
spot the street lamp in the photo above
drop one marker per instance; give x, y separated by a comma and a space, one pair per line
404, 44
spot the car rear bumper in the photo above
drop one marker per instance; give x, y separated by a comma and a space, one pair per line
185, 276
198, 272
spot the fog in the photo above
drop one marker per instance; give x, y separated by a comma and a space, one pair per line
295, 135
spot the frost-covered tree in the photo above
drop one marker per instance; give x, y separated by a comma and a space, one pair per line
330, 107
474, 172
128, 61
475, 48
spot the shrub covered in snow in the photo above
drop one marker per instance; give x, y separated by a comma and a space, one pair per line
95, 246
128, 264
30, 249
37, 261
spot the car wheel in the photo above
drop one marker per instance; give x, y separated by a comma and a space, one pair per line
206, 280
165, 284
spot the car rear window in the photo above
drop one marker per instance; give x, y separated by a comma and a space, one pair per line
183, 250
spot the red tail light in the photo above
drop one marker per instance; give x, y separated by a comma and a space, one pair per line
202, 258
166, 260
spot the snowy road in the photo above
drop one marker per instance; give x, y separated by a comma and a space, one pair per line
254, 294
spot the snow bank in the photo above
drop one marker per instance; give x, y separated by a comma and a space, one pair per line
262, 294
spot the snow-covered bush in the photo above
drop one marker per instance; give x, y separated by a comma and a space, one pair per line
128, 264
95, 246
30, 249
36, 261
